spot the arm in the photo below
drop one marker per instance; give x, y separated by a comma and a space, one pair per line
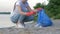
31, 9
23, 13
20, 11
28, 7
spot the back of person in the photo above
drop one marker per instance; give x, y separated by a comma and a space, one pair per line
23, 6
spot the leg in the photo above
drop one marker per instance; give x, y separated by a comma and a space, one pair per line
19, 25
17, 19
20, 22
28, 18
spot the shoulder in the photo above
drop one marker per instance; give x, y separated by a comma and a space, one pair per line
18, 3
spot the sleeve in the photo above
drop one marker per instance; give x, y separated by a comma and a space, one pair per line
18, 3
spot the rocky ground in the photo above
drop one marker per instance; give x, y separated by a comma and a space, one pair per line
30, 29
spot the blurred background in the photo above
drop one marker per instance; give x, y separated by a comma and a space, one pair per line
6, 6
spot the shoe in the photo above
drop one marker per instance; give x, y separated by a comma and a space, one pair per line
40, 27
19, 26
37, 25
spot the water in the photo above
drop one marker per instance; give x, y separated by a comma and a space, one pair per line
5, 21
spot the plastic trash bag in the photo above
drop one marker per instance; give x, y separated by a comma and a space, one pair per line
43, 19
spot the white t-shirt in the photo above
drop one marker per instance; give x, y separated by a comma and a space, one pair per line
23, 6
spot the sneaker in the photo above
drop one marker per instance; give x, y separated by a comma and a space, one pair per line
36, 25
39, 26
19, 26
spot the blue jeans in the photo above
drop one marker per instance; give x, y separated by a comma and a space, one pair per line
21, 18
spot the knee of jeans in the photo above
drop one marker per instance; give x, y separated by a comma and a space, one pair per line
32, 17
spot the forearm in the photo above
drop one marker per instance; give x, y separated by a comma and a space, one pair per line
29, 9
22, 13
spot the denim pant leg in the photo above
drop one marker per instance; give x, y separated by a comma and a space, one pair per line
15, 18
28, 18
21, 18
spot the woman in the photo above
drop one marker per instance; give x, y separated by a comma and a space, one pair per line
22, 13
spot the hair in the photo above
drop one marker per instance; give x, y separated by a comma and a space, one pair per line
15, 5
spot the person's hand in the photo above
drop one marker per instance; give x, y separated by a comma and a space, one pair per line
30, 13
35, 10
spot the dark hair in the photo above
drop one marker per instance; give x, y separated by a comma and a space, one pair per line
14, 6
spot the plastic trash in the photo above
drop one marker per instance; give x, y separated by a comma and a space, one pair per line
43, 19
